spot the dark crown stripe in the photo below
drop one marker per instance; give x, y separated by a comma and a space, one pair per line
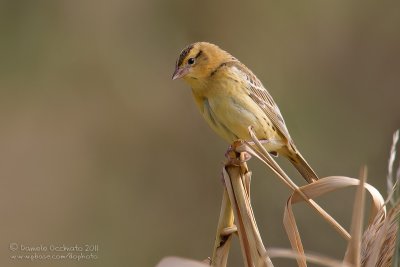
183, 55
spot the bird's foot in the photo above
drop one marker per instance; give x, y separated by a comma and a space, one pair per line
235, 158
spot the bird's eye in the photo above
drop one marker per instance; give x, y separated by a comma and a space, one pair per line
191, 61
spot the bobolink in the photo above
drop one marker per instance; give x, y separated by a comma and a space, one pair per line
231, 98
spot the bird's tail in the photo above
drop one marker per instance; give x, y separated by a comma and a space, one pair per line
303, 167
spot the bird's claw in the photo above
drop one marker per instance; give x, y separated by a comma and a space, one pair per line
236, 158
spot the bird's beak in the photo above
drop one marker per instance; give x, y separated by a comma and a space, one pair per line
180, 72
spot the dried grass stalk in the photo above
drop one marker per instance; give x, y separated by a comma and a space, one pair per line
376, 247
254, 252
318, 188
352, 255
314, 190
223, 238
261, 153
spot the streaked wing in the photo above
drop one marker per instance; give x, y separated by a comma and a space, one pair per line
260, 95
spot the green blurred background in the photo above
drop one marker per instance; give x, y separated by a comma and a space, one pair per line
99, 146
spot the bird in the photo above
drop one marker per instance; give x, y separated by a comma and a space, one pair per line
231, 99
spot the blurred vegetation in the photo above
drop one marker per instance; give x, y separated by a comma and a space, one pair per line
98, 145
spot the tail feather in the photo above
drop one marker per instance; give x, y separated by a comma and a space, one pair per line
303, 167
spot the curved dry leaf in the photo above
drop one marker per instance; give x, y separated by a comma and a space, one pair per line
262, 154
333, 183
316, 189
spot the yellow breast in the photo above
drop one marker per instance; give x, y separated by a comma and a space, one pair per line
230, 111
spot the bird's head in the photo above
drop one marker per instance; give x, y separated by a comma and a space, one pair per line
198, 60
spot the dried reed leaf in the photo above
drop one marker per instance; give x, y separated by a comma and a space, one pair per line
293, 234
292, 231
352, 255
252, 246
180, 262
244, 244
318, 188
312, 258
333, 183
246, 215
223, 237
266, 158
